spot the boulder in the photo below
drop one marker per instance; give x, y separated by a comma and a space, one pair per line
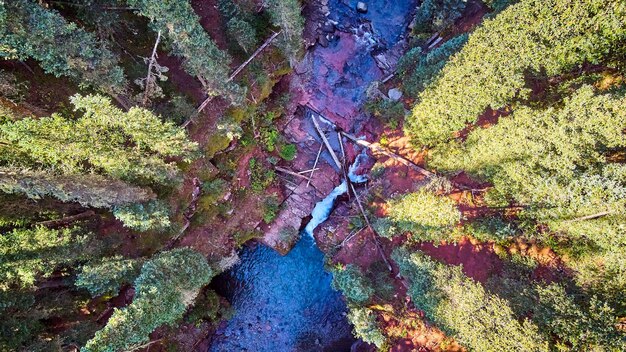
328, 27
395, 94
361, 7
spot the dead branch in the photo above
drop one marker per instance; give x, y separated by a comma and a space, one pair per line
232, 76
374, 234
591, 217
317, 158
343, 161
257, 52
310, 170
66, 220
343, 243
390, 154
289, 172
150, 343
149, 80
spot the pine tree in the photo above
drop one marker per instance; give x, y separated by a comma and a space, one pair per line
26, 254
532, 38
86, 189
553, 162
462, 308
591, 329
107, 275
286, 15
27, 30
166, 286
426, 216
134, 146
202, 58
418, 70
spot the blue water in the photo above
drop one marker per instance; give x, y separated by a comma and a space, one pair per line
283, 303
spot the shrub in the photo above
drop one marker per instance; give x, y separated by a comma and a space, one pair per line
365, 326
288, 152
436, 15
270, 208
355, 286
260, 178
386, 111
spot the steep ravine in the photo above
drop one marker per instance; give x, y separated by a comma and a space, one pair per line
286, 303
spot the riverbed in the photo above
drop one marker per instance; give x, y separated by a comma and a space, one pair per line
286, 303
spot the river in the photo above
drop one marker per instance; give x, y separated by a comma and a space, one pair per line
286, 303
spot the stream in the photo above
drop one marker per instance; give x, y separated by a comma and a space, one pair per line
286, 303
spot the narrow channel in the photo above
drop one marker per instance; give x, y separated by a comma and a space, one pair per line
286, 303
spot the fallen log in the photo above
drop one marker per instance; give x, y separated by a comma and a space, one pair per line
390, 154
66, 220
325, 140
591, 217
374, 234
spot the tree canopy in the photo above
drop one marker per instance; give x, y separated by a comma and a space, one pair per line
532, 38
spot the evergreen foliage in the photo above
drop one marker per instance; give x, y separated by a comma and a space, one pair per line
134, 146
355, 286
286, 15
424, 214
27, 30
531, 38
553, 161
461, 307
238, 25
26, 254
88, 189
418, 70
578, 329
179, 23
436, 15
107, 275
153, 215
366, 327
167, 284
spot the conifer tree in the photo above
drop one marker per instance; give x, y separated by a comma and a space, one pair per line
28, 30
133, 146
26, 253
461, 307
534, 38
285, 14
202, 58
86, 189
167, 284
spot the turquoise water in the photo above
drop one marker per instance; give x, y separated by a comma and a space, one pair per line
283, 303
